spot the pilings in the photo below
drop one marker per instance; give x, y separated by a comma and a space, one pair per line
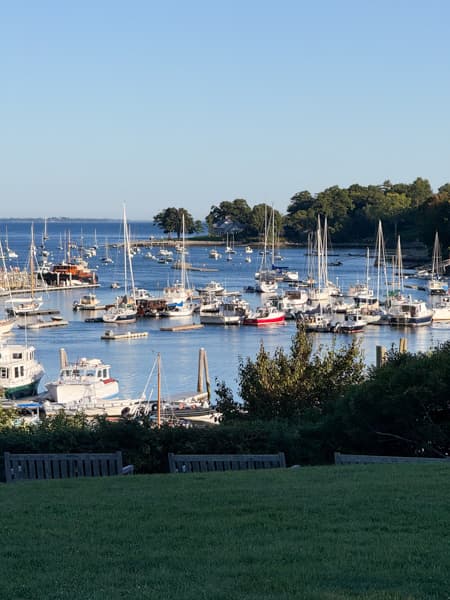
381, 351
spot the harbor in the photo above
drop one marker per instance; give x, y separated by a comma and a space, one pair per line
151, 334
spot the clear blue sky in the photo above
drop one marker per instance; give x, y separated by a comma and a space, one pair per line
189, 103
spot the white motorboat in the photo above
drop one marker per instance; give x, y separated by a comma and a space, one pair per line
213, 287
84, 378
353, 322
20, 372
215, 254
441, 310
221, 313
87, 302
410, 313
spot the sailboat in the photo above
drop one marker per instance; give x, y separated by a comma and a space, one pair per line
6, 324
321, 290
265, 277
9, 253
405, 311
45, 234
107, 260
178, 295
125, 308
436, 285
21, 306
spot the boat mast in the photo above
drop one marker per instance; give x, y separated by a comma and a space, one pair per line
32, 255
158, 415
381, 261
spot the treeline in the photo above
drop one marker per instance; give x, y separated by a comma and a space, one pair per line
411, 210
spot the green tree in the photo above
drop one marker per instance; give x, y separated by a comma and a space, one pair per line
296, 384
301, 216
170, 221
402, 408
237, 211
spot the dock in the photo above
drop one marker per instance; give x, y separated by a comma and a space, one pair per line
129, 335
182, 327
34, 313
44, 324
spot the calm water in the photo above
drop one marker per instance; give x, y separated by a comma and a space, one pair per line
132, 360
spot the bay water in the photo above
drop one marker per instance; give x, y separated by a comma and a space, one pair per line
132, 360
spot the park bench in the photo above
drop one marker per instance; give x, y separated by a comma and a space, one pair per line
19, 467
366, 459
200, 463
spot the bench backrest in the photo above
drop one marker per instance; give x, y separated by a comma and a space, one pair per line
366, 459
61, 466
189, 463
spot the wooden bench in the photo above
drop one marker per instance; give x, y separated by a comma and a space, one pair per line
200, 463
367, 459
19, 467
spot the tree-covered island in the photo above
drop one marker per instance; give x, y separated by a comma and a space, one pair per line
413, 210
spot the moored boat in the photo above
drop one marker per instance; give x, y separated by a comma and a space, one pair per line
20, 372
410, 313
87, 302
265, 315
353, 322
86, 377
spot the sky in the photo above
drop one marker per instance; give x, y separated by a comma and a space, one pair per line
191, 103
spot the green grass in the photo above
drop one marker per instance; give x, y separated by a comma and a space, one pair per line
374, 532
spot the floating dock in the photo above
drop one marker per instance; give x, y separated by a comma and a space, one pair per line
182, 327
129, 335
45, 324
34, 313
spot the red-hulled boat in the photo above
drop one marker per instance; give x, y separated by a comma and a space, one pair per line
265, 315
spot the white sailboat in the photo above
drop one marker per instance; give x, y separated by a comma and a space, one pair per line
265, 277
178, 295
320, 291
405, 311
436, 285
10, 254
125, 308
21, 306
6, 324
107, 260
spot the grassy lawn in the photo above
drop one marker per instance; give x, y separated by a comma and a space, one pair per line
373, 532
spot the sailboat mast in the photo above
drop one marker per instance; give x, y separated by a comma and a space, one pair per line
32, 255
125, 251
319, 255
158, 414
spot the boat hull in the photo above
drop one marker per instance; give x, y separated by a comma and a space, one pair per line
410, 321
264, 320
71, 392
22, 391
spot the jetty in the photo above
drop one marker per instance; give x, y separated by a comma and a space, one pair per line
182, 327
129, 335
